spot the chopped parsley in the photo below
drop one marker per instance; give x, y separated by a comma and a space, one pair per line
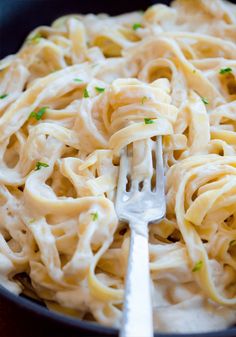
144, 99
3, 96
39, 165
78, 80
94, 216
31, 221
194, 71
225, 70
197, 266
86, 93
232, 243
205, 100
99, 90
38, 115
35, 38
148, 121
136, 26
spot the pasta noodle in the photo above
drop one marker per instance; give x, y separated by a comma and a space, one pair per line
74, 95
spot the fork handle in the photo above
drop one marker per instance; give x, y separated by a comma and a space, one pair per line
137, 315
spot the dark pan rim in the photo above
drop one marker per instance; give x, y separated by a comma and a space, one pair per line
41, 311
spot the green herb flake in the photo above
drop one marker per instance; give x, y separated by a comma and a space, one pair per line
94, 216
38, 115
145, 98
225, 70
205, 100
194, 71
86, 93
31, 221
99, 90
35, 38
232, 243
136, 26
39, 165
197, 266
3, 96
78, 80
148, 121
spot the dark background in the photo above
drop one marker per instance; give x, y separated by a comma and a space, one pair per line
17, 19
15, 322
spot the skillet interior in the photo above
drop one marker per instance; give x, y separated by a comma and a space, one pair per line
17, 19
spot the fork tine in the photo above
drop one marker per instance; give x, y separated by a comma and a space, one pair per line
123, 172
134, 186
147, 184
160, 183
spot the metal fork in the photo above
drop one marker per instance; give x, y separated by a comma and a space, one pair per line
139, 208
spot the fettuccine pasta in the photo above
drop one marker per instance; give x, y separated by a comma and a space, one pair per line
71, 99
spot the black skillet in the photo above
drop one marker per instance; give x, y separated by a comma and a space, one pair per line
17, 19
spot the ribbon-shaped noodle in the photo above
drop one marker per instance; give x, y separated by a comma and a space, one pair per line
71, 99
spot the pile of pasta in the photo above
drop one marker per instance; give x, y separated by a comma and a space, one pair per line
74, 95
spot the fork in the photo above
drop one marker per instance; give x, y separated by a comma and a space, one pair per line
139, 208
